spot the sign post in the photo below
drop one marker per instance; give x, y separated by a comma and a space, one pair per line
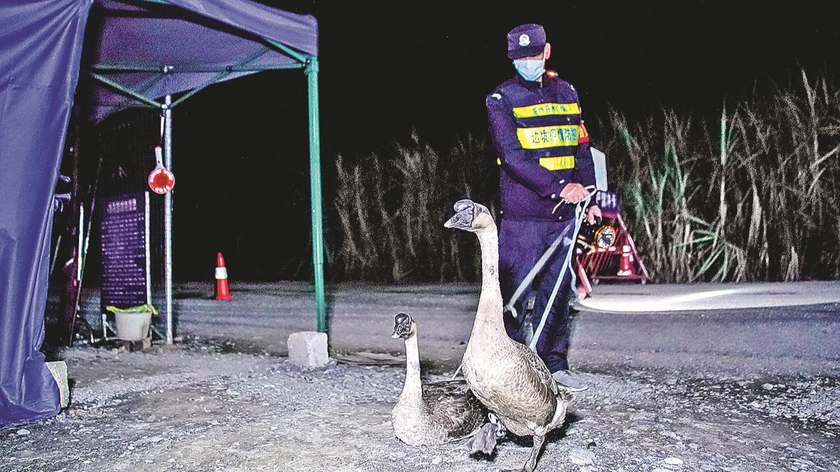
161, 179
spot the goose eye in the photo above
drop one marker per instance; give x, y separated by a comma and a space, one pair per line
466, 214
400, 318
462, 205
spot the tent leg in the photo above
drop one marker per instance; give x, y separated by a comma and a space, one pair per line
315, 189
167, 217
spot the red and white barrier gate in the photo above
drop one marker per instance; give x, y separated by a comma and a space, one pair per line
608, 252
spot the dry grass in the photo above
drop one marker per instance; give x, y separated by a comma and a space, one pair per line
391, 207
748, 194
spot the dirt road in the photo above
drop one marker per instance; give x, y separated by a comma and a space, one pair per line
718, 391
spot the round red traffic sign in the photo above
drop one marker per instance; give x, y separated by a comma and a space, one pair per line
161, 180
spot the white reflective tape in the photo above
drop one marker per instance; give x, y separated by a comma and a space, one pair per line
221, 273
599, 160
567, 264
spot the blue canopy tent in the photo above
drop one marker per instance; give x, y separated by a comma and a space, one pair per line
122, 54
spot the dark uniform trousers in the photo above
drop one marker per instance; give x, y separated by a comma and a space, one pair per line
521, 244
542, 145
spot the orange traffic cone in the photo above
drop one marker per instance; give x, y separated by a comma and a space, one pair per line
222, 289
625, 266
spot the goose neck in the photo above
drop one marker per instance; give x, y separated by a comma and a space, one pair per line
413, 386
490, 301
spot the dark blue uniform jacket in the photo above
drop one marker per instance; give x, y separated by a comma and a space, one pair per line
541, 144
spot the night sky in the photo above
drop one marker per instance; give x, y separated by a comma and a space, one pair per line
430, 65
241, 147
391, 67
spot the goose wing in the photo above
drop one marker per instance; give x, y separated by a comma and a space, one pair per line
451, 403
543, 377
535, 378
527, 396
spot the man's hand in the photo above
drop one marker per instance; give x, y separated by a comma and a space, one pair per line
573, 193
593, 214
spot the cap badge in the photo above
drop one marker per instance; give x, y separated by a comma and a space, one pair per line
524, 40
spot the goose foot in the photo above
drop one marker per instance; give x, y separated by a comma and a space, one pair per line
485, 440
500, 430
531, 464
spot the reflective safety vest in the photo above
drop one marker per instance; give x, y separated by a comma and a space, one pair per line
541, 144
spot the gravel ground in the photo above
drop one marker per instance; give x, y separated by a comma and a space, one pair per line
198, 406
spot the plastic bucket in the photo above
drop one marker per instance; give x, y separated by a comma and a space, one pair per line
133, 326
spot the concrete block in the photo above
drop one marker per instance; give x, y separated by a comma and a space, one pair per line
58, 369
308, 349
140, 345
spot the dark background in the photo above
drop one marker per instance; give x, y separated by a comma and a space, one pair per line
430, 65
387, 70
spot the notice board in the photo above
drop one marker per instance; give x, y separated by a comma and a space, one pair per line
126, 261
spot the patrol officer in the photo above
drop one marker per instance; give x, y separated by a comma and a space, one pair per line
546, 171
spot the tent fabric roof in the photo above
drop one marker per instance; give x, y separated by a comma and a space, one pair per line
203, 41
156, 49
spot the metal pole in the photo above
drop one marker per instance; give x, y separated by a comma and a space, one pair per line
294, 54
167, 216
128, 92
315, 190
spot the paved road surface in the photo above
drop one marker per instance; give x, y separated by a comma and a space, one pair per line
755, 341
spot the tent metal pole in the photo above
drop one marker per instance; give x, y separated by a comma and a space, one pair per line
107, 68
315, 190
167, 215
244, 62
131, 93
294, 54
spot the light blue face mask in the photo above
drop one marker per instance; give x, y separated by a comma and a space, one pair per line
530, 69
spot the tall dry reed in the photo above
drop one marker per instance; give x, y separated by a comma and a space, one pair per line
390, 208
749, 193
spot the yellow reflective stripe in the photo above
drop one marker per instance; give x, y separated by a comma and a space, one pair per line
553, 163
546, 109
558, 163
548, 136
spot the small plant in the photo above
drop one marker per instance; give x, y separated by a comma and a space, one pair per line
137, 309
